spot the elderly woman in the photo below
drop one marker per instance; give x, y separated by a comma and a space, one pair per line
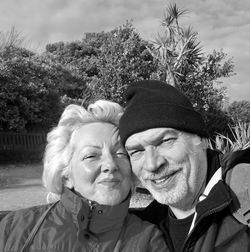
87, 166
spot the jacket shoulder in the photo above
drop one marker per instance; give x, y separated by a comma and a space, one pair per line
16, 226
24, 215
236, 167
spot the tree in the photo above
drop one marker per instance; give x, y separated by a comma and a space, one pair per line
176, 47
11, 38
204, 88
202, 84
239, 111
79, 58
182, 63
106, 62
28, 91
123, 59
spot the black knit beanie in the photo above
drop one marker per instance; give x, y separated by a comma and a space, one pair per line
155, 104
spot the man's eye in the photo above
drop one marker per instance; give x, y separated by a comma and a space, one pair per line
168, 140
135, 154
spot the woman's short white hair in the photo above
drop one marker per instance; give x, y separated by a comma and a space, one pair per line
58, 151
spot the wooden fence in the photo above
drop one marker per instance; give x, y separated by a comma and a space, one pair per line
22, 142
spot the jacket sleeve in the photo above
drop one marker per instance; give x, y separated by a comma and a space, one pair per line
238, 179
5, 227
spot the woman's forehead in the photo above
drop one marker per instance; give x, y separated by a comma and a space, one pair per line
96, 134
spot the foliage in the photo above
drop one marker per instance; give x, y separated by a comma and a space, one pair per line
123, 59
35, 88
11, 38
175, 47
106, 62
205, 91
240, 139
28, 91
239, 111
182, 63
217, 122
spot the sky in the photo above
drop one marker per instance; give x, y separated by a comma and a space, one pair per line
221, 24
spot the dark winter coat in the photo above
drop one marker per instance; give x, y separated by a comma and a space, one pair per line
215, 227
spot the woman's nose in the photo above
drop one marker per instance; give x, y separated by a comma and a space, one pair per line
109, 164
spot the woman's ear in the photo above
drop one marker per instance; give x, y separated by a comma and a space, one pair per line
68, 182
66, 176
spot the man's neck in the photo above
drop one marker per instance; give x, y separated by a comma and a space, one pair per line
189, 208
181, 214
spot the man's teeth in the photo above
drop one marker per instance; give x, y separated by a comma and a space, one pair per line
158, 181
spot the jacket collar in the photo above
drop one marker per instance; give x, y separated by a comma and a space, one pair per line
216, 193
231, 159
217, 199
213, 163
91, 216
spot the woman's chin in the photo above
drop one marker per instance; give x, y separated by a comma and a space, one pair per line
111, 199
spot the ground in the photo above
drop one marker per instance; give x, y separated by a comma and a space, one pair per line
21, 187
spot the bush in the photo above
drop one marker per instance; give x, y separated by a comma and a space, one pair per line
240, 139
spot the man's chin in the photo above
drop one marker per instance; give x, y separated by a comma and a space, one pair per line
158, 194
166, 197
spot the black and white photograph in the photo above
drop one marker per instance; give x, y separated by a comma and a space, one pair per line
124, 126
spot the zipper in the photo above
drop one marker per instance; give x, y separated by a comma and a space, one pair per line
212, 211
92, 205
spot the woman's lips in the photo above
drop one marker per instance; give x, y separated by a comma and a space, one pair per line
109, 182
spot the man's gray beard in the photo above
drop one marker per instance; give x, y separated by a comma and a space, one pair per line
175, 198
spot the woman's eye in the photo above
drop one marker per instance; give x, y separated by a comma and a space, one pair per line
122, 154
90, 156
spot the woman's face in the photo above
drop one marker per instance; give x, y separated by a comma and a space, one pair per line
100, 168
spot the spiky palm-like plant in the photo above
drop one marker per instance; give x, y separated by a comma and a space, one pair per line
240, 141
175, 46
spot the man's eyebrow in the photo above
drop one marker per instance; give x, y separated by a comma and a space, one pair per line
163, 134
132, 146
170, 132
155, 139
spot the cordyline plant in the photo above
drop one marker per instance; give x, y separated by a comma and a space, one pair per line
240, 141
175, 46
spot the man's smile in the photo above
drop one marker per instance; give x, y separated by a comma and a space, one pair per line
163, 180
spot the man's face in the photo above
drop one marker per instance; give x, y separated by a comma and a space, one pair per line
171, 164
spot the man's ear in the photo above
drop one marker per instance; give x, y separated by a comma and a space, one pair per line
204, 143
201, 141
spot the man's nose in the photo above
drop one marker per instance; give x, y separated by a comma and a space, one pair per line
109, 164
153, 160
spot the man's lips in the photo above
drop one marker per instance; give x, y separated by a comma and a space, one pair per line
165, 178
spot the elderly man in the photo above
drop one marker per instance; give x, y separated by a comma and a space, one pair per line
167, 143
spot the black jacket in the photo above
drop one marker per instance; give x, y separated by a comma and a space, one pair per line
215, 228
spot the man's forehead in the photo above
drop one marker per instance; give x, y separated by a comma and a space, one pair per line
149, 135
